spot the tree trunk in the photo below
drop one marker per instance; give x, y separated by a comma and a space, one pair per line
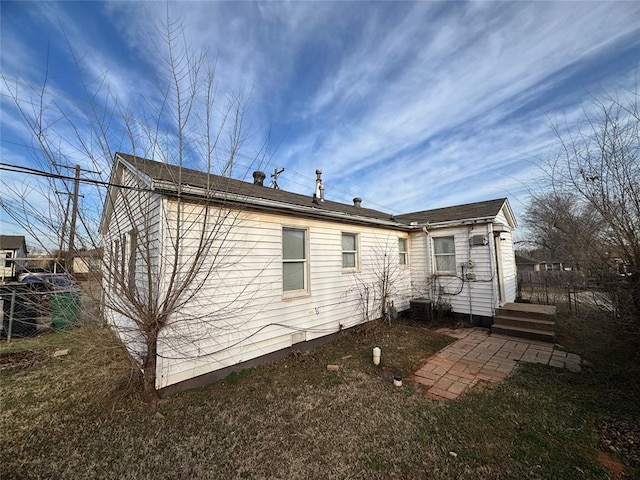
150, 394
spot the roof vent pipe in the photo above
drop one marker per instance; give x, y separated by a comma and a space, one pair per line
318, 196
258, 178
357, 202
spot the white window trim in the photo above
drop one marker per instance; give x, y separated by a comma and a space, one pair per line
403, 252
306, 291
436, 255
356, 252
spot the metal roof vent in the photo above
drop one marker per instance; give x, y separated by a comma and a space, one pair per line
318, 196
357, 202
258, 178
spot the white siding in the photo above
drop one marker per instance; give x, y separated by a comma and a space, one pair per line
420, 264
141, 211
14, 265
508, 260
240, 312
456, 289
234, 308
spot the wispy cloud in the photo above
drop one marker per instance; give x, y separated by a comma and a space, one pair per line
409, 105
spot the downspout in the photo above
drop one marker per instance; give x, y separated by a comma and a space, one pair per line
464, 278
429, 259
493, 271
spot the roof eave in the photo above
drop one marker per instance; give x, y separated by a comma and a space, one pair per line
249, 202
454, 223
113, 188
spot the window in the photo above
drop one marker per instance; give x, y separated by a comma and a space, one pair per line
294, 259
8, 263
115, 257
444, 252
403, 251
133, 240
124, 245
114, 263
349, 250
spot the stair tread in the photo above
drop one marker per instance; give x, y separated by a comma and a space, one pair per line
527, 315
520, 329
530, 308
525, 319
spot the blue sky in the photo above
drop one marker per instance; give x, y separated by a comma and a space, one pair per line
407, 105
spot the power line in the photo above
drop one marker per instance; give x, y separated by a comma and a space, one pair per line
32, 171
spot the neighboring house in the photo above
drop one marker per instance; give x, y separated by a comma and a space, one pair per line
87, 263
553, 266
12, 247
299, 268
526, 264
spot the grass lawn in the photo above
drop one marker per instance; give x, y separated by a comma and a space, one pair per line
77, 416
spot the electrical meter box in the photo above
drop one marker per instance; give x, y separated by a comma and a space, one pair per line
478, 240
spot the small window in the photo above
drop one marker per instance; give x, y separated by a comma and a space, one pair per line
349, 250
115, 258
133, 244
114, 263
294, 259
403, 251
445, 254
8, 263
124, 245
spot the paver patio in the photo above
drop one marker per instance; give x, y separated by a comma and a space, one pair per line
478, 356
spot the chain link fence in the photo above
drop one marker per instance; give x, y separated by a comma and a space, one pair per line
28, 309
565, 289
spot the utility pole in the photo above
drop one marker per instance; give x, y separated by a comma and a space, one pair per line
68, 261
64, 227
72, 228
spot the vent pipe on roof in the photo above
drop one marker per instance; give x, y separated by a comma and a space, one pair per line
357, 202
318, 196
258, 178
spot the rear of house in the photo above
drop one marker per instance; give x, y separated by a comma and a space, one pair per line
283, 270
464, 258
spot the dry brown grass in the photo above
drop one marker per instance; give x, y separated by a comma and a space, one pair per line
295, 419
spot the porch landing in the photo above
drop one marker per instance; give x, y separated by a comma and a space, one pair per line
525, 320
479, 357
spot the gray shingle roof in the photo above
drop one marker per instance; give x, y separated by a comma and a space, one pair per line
172, 174
469, 211
522, 260
12, 242
185, 176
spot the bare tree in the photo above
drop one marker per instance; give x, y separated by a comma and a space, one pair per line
148, 284
565, 229
376, 291
594, 184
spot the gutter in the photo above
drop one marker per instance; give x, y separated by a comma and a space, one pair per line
254, 203
451, 223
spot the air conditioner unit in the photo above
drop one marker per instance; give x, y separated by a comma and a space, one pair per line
478, 240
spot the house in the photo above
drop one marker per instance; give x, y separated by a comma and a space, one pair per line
464, 257
87, 263
12, 247
277, 270
527, 264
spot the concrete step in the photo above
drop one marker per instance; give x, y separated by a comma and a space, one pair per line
520, 322
531, 334
528, 311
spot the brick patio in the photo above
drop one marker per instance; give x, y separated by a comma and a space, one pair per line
477, 356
